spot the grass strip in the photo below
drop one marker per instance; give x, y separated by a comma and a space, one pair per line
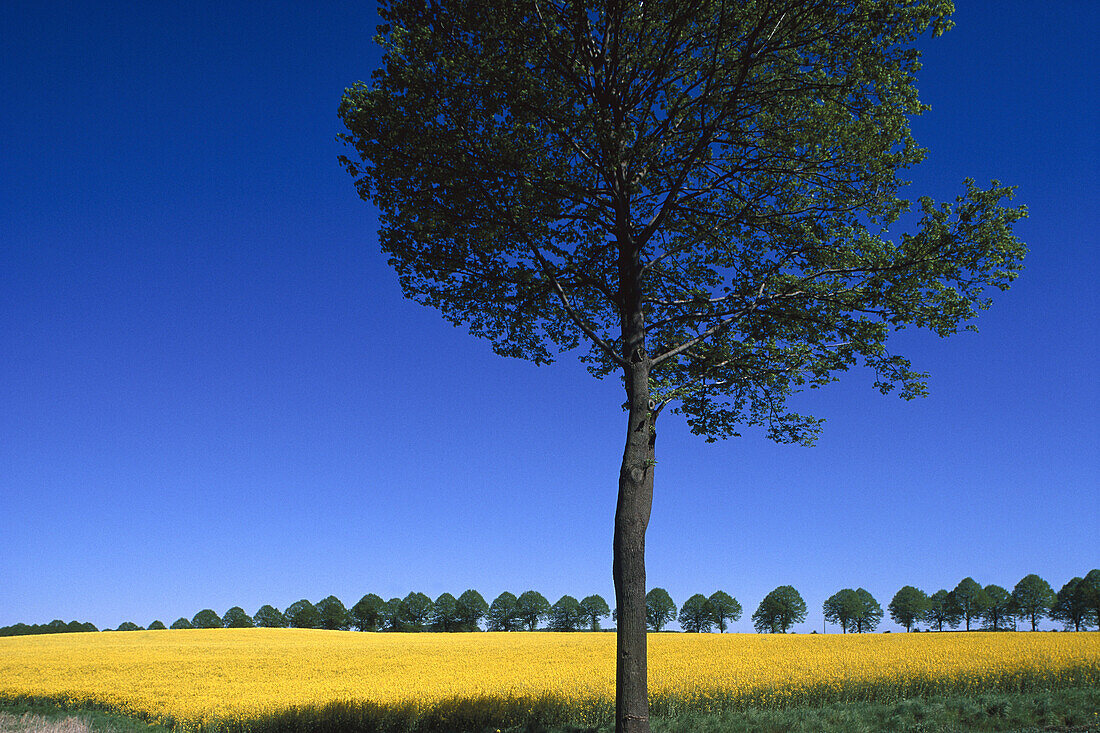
1062, 710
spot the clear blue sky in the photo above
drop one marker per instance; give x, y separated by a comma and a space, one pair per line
213, 394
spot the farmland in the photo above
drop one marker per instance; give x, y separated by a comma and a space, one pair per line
196, 678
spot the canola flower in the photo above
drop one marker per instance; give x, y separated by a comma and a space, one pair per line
192, 677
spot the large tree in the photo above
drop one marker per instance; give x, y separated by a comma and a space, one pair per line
841, 608
532, 607
780, 610
997, 609
908, 606
368, 613
696, 615
1032, 598
594, 608
333, 614
698, 190
968, 599
659, 609
942, 610
724, 606
270, 617
1070, 606
471, 609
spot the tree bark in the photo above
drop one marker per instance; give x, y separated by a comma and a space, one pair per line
631, 519
635, 497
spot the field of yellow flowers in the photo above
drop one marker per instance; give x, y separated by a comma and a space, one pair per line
192, 677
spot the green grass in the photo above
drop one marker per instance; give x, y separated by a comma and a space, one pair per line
1070, 709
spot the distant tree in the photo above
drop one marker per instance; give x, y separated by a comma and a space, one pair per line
1032, 599
416, 610
182, 623
841, 608
471, 609
236, 618
941, 610
333, 614
969, 599
1089, 589
206, 619
659, 608
908, 606
594, 608
57, 626
156, 626
532, 607
723, 606
1070, 607
868, 612
444, 616
502, 614
303, 615
997, 608
368, 613
392, 618
76, 627
780, 610
566, 614
696, 615
270, 617
129, 626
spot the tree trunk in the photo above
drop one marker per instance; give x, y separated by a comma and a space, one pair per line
631, 519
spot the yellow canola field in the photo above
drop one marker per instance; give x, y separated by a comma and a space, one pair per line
191, 676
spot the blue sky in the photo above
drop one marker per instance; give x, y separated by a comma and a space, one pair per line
213, 394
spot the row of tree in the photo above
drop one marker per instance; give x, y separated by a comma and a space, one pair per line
1077, 605
57, 626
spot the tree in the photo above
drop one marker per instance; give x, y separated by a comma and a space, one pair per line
841, 608
416, 609
941, 610
1032, 598
659, 609
698, 191
129, 626
723, 606
303, 615
780, 610
868, 612
997, 608
270, 617
503, 614
1069, 605
1090, 596
392, 619
908, 606
368, 613
181, 623
696, 615
532, 607
969, 598
332, 614
155, 626
236, 618
594, 608
206, 619
471, 609
566, 614
445, 616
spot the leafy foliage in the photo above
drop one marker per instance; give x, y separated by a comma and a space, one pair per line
723, 607
532, 607
696, 615
471, 609
303, 615
659, 608
368, 613
566, 614
270, 617
779, 611
908, 606
333, 615
1032, 598
206, 619
594, 608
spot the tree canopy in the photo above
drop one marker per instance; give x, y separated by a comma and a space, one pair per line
659, 608
698, 192
779, 611
1032, 598
908, 606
